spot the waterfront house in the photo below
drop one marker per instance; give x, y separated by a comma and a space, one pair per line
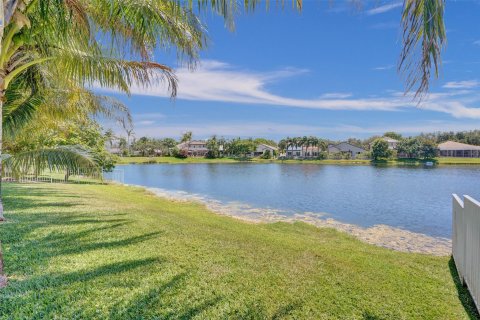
392, 143
457, 149
294, 152
345, 148
261, 148
311, 152
194, 148
302, 152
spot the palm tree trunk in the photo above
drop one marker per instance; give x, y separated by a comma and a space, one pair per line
10, 6
3, 279
2, 94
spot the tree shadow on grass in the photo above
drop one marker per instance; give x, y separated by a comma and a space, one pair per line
82, 248
463, 293
63, 228
151, 304
286, 310
54, 280
36, 190
18, 199
367, 315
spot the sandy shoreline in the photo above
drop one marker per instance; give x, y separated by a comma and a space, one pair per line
380, 235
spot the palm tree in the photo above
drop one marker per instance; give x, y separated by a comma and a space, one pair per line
54, 42
322, 145
187, 137
314, 144
127, 126
109, 137
283, 145
304, 144
43, 40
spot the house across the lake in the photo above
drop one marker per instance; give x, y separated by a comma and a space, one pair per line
457, 149
392, 143
314, 151
194, 148
345, 148
302, 152
261, 148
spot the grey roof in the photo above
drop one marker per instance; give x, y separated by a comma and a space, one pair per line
452, 145
347, 147
267, 146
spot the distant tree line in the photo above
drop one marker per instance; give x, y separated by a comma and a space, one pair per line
422, 146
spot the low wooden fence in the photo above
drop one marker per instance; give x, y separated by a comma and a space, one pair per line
466, 243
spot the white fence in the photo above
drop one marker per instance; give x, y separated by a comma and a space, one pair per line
466, 243
76, 176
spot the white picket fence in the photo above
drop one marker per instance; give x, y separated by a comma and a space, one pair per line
466, 243
77, 176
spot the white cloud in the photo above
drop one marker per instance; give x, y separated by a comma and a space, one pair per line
275, 129
217, 81
335, 95
221, 82
145, 122
390, 66
477, 42
467, 84
384, 8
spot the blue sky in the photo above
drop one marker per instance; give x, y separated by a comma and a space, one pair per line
328, 71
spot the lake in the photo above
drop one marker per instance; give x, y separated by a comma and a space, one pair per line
413, 198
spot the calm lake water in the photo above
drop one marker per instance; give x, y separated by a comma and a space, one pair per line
411, 198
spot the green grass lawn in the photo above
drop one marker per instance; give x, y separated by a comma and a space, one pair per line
458, 160
106, 251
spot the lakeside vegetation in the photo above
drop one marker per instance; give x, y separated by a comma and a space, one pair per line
391, 148
108, 251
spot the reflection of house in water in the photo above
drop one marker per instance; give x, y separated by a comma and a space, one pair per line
345, 148
457, 149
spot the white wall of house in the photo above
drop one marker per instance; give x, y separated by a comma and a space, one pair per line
300, 152
392, 143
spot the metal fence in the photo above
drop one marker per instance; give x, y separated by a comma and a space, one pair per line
72, 176
466, 243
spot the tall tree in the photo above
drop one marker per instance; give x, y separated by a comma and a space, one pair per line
187, 136
380, 149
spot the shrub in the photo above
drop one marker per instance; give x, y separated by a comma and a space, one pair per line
266, 155
177, 153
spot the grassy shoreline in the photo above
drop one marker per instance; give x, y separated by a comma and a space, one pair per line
109, 251
398, 162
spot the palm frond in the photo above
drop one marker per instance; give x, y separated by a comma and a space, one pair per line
423, 40
15, 117
86, 68
62, 158
142, 25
